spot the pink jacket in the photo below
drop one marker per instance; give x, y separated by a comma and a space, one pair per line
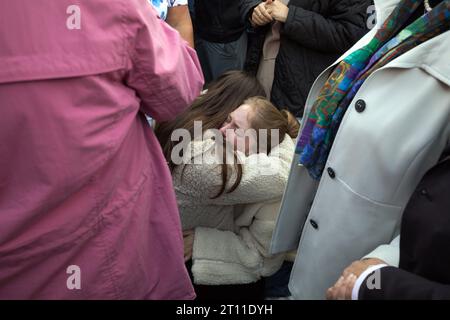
83, 181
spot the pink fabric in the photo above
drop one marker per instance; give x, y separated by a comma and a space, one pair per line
82, 178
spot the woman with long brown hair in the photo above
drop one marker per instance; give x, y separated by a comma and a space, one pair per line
212, 108
228, 209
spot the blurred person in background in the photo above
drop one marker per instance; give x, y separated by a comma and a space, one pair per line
220, 36
294, 41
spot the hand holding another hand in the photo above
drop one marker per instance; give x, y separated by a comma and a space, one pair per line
278, 10
342, 289
261, 16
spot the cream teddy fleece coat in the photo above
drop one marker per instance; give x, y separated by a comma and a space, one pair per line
232, 232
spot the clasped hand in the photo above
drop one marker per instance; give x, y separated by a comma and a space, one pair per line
268, 11
342, 289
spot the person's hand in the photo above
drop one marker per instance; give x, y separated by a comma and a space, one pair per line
188, 237
261, 16
359, 266
342, 289
278, 10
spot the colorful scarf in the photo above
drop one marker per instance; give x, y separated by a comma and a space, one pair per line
341, 87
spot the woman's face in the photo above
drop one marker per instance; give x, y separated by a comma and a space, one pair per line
236, 130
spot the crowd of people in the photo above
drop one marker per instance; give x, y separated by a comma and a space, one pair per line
297, 149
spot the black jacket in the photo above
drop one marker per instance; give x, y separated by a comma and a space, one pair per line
424, 268
218, 20
315, 34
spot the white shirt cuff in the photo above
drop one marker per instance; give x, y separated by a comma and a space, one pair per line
362, 277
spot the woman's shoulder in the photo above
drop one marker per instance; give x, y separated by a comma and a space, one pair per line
199, 162
288, 142
285, 148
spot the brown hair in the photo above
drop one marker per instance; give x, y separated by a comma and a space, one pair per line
224, 95
266, 116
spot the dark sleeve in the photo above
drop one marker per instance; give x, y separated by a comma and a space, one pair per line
398, 284
343, 26
255, 36
246, 9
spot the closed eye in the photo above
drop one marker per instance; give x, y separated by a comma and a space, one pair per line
233, 124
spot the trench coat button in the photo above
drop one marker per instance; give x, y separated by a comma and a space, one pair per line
425, 193
360, 105
314, 224
331, 173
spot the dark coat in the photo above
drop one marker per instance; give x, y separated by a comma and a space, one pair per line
315, 34
424, 269
218, 20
